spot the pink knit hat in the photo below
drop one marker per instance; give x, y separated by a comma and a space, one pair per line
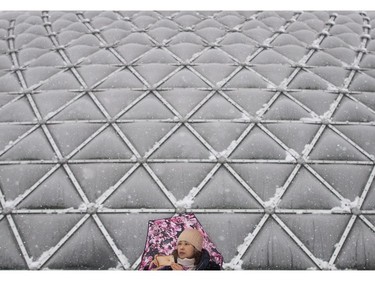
193, 236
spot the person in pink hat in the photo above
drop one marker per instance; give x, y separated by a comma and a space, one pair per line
189, 254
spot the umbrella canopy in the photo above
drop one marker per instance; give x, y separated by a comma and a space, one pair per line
163, 233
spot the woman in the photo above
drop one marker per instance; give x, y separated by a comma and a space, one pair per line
189, 254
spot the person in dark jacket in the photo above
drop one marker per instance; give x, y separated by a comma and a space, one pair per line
189, 254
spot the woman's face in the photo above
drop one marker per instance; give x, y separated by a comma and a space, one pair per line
185, 250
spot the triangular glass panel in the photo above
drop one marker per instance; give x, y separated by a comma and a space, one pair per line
180, 178
287, 39
258, 145
48, 59
122, 79
185, 51
230, 20
82, 109
294, 135
228, 231
317, 101
68, 136
258, 34
348, 180
215, 72
114, 31
9, 83
246, 79
144, 135
162, 33
307, 192
334, 75
320, 58
127, 233
153, 73
369, 202
250, 99
33, 147
11, 256
150, 107
35, 75
286, 109
223, 191
217, 107
184, 79
237, 38
363, 135
49, 101
186, 37
5, 98
309, 81
93, 251
95, 178
107, 145
138, 191
102, 57
56, 192
273, 248
27, 54
276, 73
158, 56
214, 56
346, 55
219, 134
116, 100
352, 111
368, 61
239, 50
208, 23
182, 145
367, 99
184, 100
40, 232
13, 185
187, 19
10, 133
323, 59
333, 147
358, 251
93, 73
268, 56
319, 233
371, 219
293, 52
61, 81
18, 111
130, 51
138, 38
77, 52
258, 177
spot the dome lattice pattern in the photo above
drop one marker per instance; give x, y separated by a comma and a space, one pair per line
260, 123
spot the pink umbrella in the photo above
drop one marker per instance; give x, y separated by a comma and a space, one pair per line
162, 238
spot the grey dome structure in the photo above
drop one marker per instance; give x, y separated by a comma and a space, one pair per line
260, 123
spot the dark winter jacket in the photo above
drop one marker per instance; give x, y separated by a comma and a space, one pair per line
204, 264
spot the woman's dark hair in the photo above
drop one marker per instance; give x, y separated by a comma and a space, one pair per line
197, 255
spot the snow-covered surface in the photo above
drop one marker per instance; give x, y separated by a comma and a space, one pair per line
261, 123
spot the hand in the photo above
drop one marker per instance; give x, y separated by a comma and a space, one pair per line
155, 261
176, 266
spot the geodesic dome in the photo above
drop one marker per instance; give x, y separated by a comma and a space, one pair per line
259, 123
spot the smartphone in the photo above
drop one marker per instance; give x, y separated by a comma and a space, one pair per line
165, 260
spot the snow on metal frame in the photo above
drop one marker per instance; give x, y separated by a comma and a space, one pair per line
261, 123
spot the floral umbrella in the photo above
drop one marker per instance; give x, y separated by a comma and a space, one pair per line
163, 233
